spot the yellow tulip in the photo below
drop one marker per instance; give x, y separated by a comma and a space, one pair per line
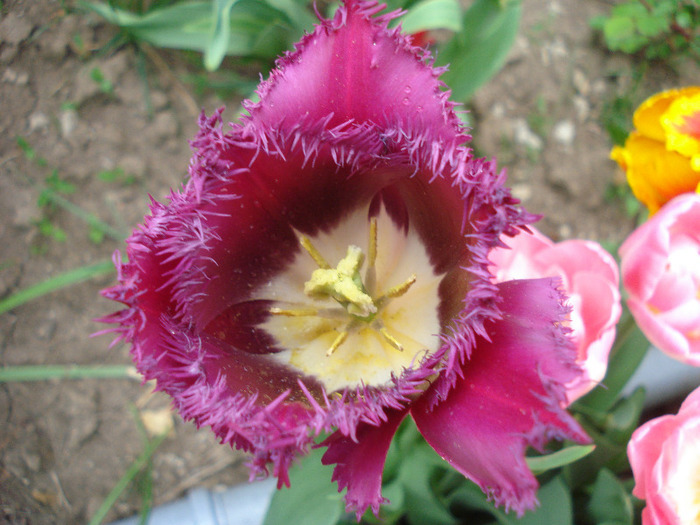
662, 156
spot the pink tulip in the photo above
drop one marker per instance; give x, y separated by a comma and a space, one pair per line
661, 273
589, 277
665, 458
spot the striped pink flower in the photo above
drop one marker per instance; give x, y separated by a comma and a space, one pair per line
324, 269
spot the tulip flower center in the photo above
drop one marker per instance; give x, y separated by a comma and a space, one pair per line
368, 316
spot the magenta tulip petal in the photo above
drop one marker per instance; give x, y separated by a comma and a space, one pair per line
364, 73
589, 277
509, 398
324, 269
359, 462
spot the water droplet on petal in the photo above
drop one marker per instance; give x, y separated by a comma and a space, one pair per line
407, 89
405, 101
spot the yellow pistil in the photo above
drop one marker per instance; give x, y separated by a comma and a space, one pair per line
343, 284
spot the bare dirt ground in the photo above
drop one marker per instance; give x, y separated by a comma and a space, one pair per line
65, 444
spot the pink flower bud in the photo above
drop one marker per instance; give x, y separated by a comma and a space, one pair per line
661, 273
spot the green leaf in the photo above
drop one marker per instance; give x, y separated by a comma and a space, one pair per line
432, 14
555, 506
256, 28
96, 235
617, 30
558, 459
216, 50
92, 220
651, 26
311, 499
468, 497
415, 473
297, 11
610, 502
477, 52
624, 417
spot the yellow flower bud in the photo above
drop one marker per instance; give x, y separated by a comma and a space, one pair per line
662, 155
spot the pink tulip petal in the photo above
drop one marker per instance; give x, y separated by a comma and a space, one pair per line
643, 450
509, 397
601, 309
660, 334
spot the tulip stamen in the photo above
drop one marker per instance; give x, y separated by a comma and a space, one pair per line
372, 245
313, 252
294, 312
371, 271
390, 339
345, 285
339, 340
398, 290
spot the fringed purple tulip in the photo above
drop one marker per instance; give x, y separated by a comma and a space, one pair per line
324, 269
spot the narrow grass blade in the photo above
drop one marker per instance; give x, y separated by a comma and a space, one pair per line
88, 217
11, 374
56, 283
139, 464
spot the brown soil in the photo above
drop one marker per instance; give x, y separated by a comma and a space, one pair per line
64, 444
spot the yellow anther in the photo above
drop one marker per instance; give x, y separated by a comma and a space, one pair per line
313, 252
372, 248
342, 336
399, 289
390, 339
